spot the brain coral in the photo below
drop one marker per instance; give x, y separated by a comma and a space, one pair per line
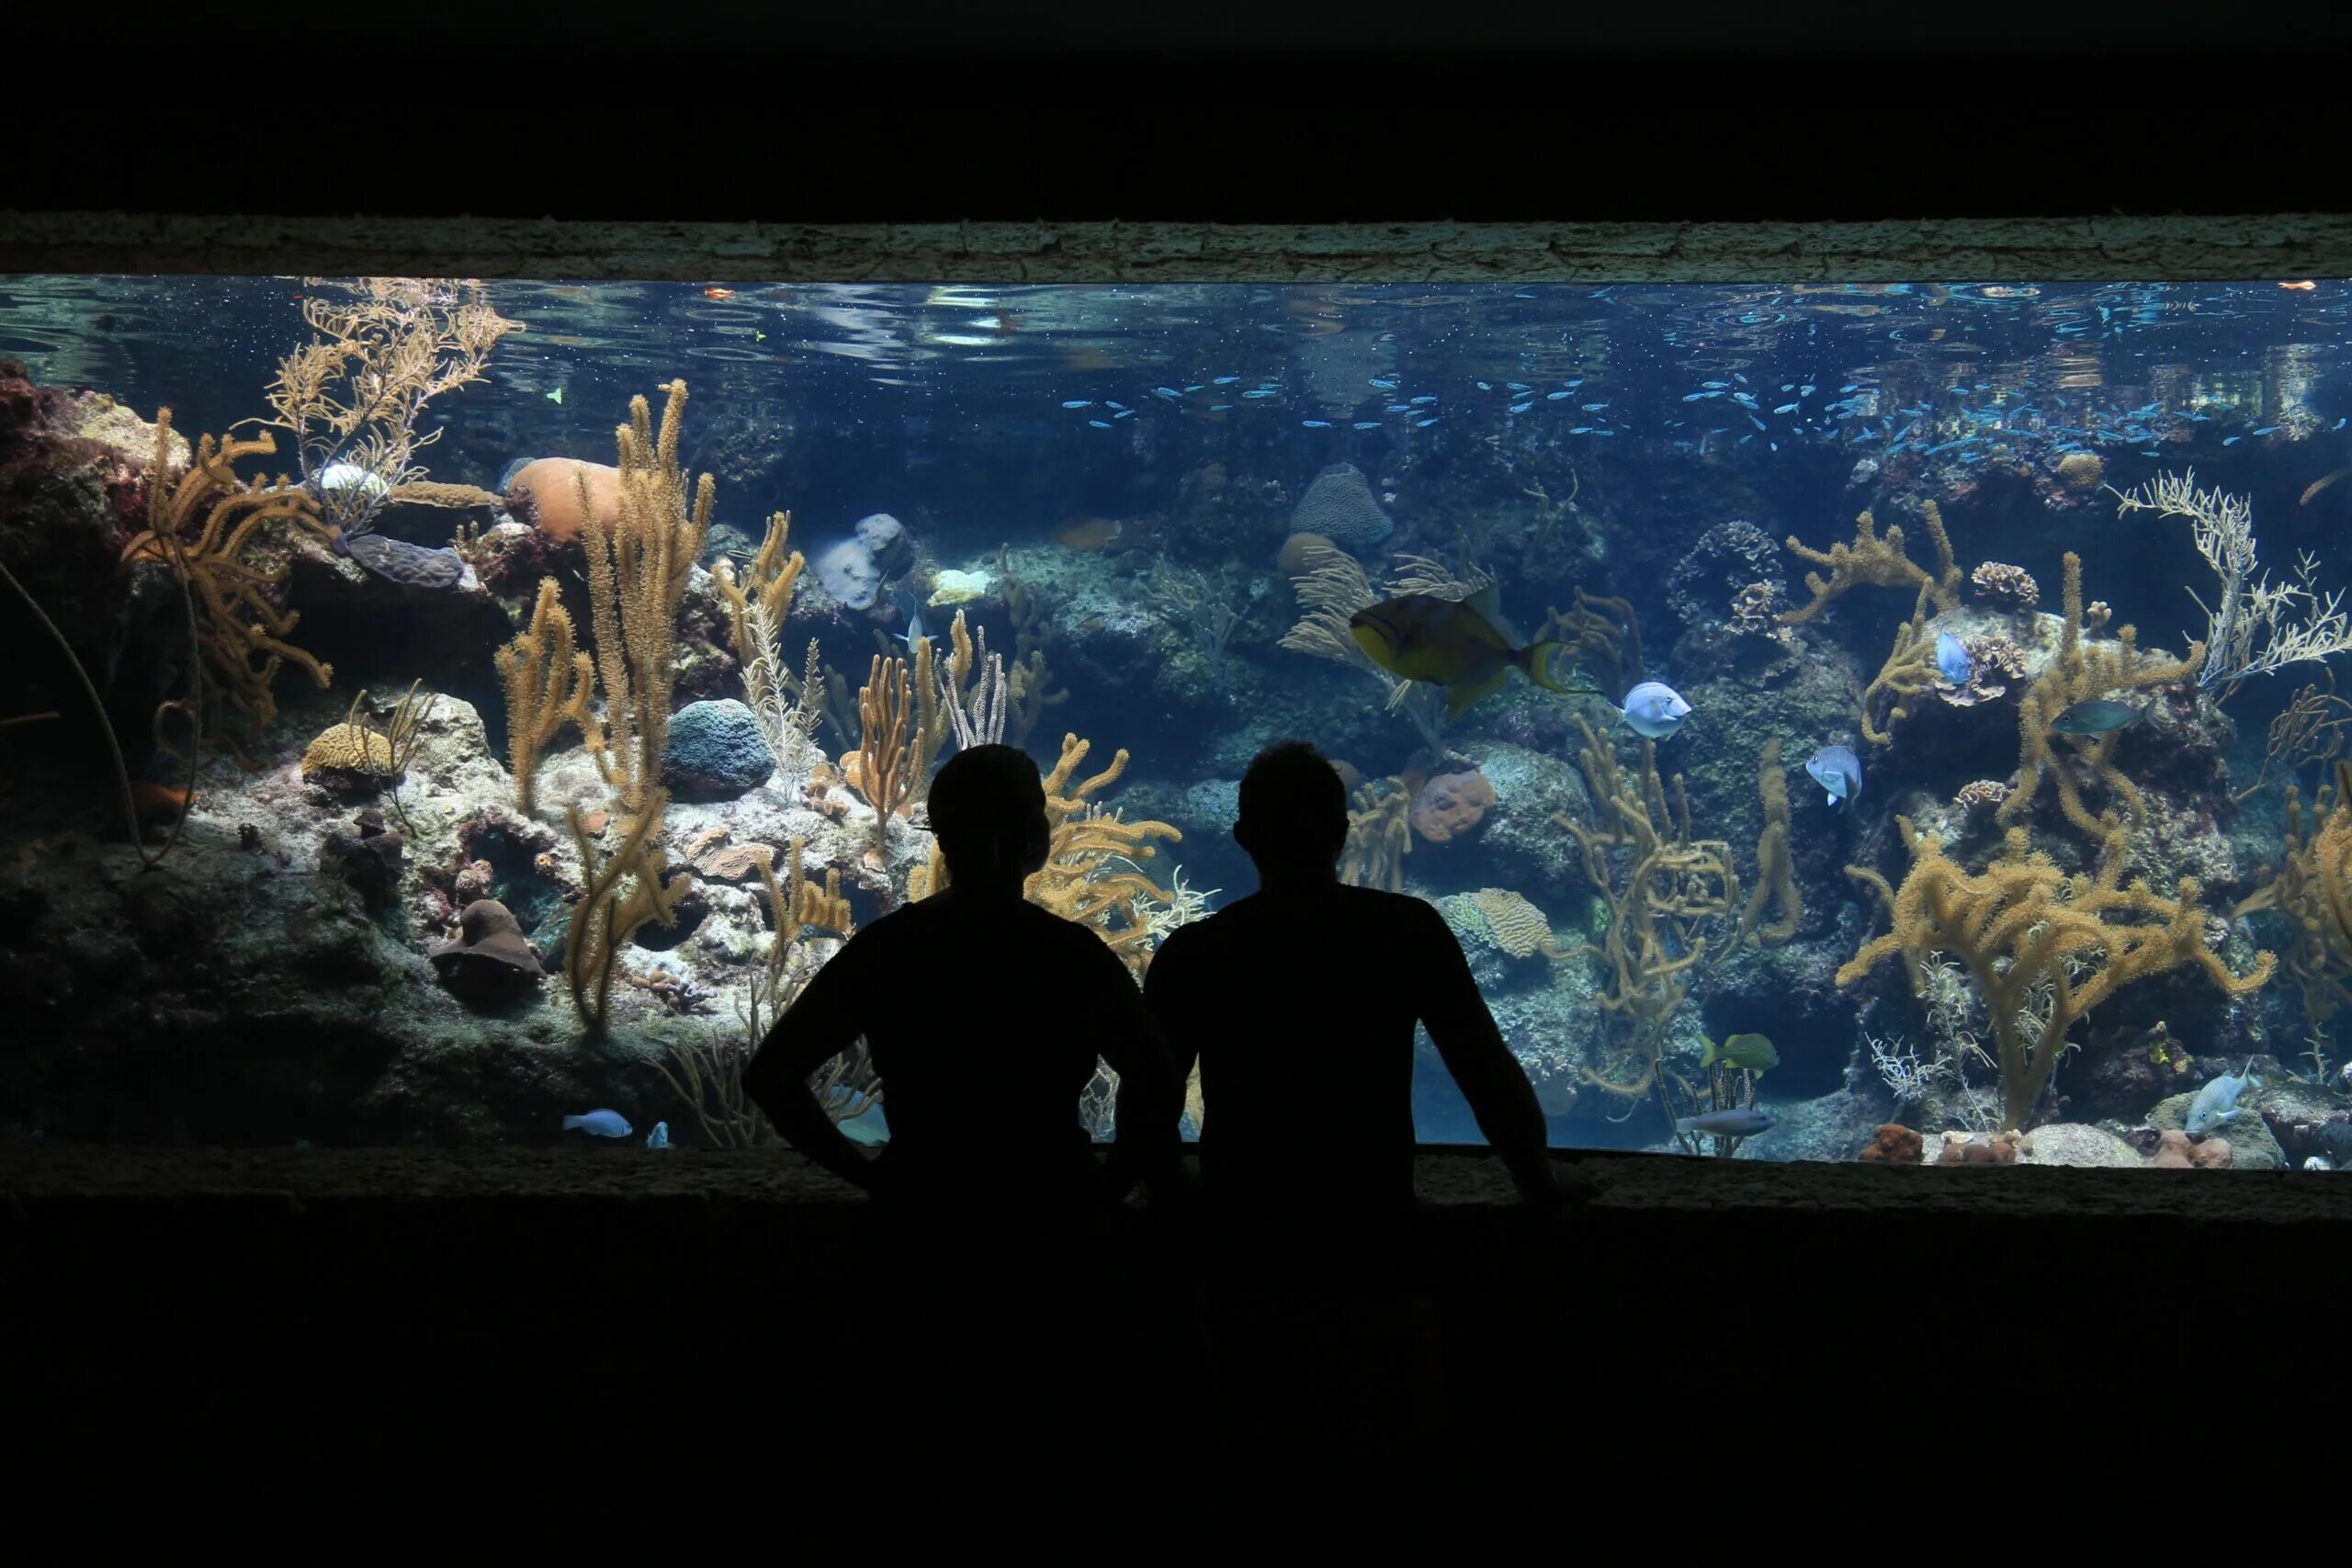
1452, 805
348, 749
1519, 926
1338, 505
714, 751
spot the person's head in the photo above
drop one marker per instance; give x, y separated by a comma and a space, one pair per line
1294, 812
987, 806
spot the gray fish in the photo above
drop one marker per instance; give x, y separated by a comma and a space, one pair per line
1726, 1123
1836, 770
2100, 716
2218, 1100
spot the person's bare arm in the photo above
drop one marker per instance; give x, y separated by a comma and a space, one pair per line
822, 1023
1489, 1077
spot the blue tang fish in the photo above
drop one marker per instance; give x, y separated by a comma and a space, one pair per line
1952, 659
1836, 770
1654, 710
2218, 1100
603, 1124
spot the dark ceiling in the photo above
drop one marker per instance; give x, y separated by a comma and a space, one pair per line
1207, 110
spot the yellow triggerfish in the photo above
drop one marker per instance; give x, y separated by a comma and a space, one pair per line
1452, 644
1752, 1052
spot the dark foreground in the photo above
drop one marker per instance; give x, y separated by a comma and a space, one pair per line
561, 1337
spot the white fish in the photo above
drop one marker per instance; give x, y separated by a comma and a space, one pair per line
2218, 1100
1654, 710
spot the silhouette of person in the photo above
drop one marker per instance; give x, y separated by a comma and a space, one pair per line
983, 1014
1299, 1004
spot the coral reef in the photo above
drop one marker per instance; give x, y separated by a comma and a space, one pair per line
2006, 587
1880, 562
1379, 836
354, 397
547, 686
2043, 948
1093, 873
2082, 669
2310, 887
219, 537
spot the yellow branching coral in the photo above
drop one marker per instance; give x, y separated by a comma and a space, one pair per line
622, 892
640, 555
2045, 948
354, 396
2081, 670
2311, 887
756, 607
1602, 636
547, 685
1880, 562
1671, 902
226, 570
707, 1071
1380, 836
1910, 668
1093, 873
1775, 872
883, 768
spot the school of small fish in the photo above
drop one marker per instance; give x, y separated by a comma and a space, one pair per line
1962, 412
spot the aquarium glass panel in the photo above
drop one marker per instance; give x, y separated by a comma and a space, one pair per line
1891, 721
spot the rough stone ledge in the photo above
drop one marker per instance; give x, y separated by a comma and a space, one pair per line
2183, 248
90, 1179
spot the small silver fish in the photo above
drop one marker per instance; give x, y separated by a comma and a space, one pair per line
1726, 1123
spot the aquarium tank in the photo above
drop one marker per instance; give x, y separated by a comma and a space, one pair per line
1894, 722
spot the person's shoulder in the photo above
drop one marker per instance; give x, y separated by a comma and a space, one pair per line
1379, 904
1232, 923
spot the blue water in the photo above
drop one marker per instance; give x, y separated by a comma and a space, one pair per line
1108, 447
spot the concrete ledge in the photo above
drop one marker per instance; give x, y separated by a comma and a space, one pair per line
485, 1333
2183, 248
